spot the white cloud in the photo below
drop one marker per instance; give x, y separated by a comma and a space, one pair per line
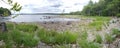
35, 6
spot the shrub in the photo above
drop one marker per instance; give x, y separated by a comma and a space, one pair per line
98, 39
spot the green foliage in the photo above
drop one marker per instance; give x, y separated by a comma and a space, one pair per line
118, 15
10, 26
5, 11
83, 35
109, 39
24, 38
6, 37
97, 25
14, 6
98, 39
26, 27
51, 37
75, 13
102, 8
116, 32
17, 37
86, 44
98, 22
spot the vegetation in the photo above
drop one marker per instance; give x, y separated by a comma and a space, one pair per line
19, 37
109, 38
116, 32
99, 39
101, 8
52, 37
84, 43
26, 27
98, 22
4, 11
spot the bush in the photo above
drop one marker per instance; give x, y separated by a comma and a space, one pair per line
52, 37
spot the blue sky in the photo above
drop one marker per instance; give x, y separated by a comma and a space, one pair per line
50, 6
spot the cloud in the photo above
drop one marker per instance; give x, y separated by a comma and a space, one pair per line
49, 6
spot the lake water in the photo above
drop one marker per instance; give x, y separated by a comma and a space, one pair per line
39, 18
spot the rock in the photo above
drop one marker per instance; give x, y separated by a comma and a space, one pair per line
3, 27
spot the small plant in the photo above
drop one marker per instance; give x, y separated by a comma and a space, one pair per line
98, 39
86, 44
109, 39
83, 35
118, 15
116, 32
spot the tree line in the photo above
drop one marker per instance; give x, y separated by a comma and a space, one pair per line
101, 8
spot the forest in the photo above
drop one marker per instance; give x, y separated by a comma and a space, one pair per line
101, 8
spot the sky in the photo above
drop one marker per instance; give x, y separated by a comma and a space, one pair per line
50, 6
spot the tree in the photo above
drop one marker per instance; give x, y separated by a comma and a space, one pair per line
6, 12
102, 8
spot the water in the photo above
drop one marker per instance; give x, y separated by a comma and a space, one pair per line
39, 18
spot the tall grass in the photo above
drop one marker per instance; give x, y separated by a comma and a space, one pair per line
116, 32
86, 44
26, 27
109, 38
26, 39
98, 22
52, 37
17, 36
98, 39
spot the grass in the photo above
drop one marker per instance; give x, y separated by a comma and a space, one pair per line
86, 44
98, 39
83, 35
18, 37
116, 32
98, 22
109, 39
21, 35
24, 38
51, 37
26, 27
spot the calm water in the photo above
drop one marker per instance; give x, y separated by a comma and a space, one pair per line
39, 18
